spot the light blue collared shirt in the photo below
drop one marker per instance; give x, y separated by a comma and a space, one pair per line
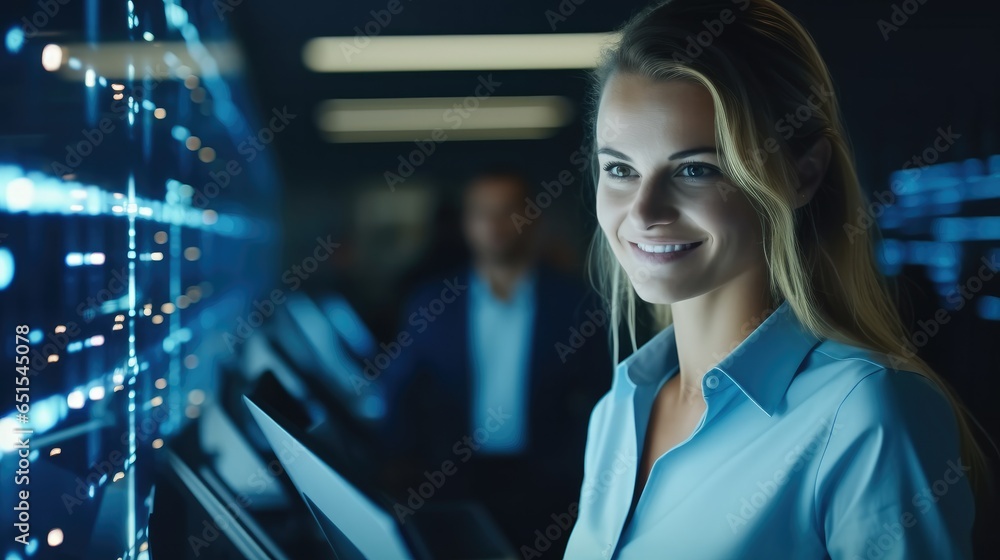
807, 449
500, 336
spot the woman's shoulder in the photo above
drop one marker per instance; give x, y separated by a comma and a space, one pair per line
873, 388
849, 364
868, 390
892, 459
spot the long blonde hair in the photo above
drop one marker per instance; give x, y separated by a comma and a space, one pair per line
760, 65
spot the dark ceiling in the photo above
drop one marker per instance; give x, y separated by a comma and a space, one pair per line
938, 70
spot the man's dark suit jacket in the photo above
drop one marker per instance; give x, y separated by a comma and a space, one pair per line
429, 387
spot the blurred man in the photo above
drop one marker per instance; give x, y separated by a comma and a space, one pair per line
507, 359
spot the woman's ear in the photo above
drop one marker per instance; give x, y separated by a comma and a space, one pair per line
812, 167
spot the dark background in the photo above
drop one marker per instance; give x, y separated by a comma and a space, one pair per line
938, 70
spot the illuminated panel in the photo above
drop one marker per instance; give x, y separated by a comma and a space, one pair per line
945, 218
124, 253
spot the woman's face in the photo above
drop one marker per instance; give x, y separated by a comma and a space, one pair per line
661, 185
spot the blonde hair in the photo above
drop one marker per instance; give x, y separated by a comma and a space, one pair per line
759, 64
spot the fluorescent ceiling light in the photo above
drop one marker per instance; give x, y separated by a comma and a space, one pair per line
455, 52
441, 118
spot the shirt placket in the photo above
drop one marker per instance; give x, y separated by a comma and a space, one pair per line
713, 384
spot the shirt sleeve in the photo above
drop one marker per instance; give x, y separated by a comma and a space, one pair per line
891, 483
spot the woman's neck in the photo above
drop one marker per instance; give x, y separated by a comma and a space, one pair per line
707, 328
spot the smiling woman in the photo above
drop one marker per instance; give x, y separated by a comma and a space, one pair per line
781, 402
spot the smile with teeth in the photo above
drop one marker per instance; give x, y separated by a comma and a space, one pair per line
666, 248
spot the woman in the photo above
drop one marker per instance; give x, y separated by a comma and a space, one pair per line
781, 412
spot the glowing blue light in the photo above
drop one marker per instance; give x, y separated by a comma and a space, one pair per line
176, 15
932, 253
973, 167
966, 229
979, 188
942, 275
35, 336
892, 251
46, 414
32, 547
20, 193
76, 399
90, 78
15, 39
373, 406
946, 196
6, 268
988, 307
180, 133
12, 556
994, 164
147, 36
904, 181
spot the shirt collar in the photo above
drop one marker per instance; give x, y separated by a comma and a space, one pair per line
762, 365
523, 289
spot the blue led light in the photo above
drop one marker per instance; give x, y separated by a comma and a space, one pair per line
988, 307
993, 163
973, 168
180, 133
892, 252
967, 229
15, 39
46, 414
6, 268
980, 188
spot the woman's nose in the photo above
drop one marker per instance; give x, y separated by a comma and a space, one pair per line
653, 205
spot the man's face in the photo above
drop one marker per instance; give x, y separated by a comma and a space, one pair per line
489, 229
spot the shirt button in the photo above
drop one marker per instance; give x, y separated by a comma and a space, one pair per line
711, 381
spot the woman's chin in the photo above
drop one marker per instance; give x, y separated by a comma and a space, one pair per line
660, 296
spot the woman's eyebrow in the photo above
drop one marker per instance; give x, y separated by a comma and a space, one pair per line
694, 151
615, 153
678, 155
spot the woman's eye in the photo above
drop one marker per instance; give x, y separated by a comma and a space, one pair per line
618, 171
697, 171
